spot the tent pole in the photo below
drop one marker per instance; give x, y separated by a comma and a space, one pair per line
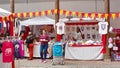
12, 10
56, 16
12, 2
107, 10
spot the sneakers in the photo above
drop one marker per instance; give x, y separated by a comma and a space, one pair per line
43, 61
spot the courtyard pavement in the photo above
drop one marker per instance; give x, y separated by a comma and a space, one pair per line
35, 63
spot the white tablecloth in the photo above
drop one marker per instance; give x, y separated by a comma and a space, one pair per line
84, 53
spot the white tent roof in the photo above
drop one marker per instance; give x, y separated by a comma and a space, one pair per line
4, 13
42, 20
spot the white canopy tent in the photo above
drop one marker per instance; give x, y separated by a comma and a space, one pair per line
42, 20
4, 13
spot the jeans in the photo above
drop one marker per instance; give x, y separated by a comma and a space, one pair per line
43, 51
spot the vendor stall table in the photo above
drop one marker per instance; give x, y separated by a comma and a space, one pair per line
78, 31
84, 52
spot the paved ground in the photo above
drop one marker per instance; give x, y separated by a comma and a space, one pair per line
24, 63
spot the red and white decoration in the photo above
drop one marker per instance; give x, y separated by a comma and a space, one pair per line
84, 51
60, 30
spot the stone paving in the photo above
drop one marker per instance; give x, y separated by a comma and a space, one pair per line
35, 63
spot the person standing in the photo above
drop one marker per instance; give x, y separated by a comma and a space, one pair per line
30, 45
21, 44
44, 39
21, 37
50, 47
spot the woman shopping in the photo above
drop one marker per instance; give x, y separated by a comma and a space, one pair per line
44, 39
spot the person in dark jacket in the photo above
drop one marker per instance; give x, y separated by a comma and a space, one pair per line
30, 45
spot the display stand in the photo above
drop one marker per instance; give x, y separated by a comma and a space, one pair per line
75, 49
115, 49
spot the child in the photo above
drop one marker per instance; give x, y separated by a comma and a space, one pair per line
51, 43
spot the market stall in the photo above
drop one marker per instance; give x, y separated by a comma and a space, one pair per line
114, 43
84, 40
39, 22
84, 52
4, 13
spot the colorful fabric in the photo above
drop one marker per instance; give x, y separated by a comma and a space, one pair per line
104, 43
59, 37
21, 48
11, 28
8, 52
16, 49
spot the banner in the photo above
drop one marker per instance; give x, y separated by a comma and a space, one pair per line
114, 15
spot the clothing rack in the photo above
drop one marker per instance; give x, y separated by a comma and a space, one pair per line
8, 38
